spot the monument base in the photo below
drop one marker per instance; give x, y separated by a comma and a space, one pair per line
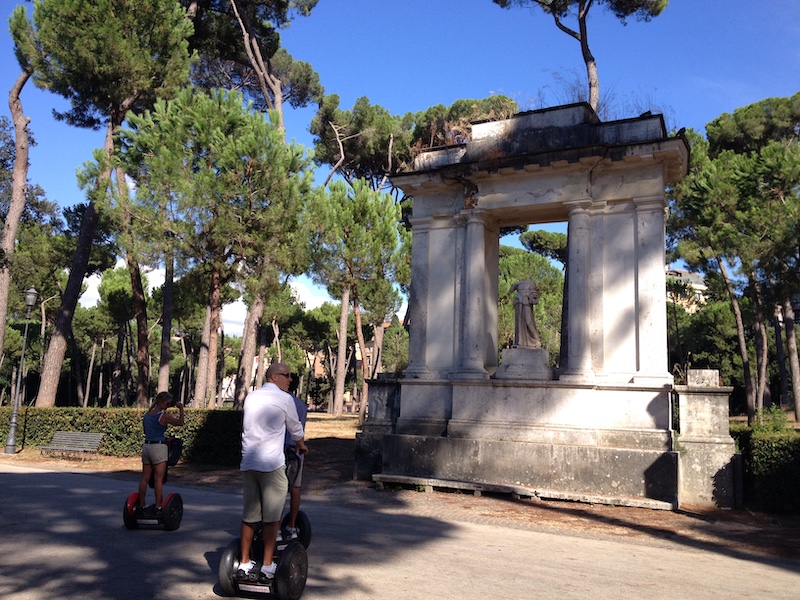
525, 363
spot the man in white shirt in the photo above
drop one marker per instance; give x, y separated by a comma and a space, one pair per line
269, 412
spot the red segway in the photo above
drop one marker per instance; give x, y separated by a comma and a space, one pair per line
172, 512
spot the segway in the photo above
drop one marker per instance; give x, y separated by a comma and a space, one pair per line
172, 511
292, 559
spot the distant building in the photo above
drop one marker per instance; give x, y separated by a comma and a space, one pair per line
692, 295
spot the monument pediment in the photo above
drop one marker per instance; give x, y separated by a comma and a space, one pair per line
550, 138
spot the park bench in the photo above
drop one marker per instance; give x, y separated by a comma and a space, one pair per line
73, 443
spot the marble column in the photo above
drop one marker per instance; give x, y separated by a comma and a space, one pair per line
418, 299
473, 299
579, 355
651, 299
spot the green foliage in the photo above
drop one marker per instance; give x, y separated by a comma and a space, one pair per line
357, 236
233, 184
771, 463
224, 62
641, 10
771, 420
741, 434
735, 216
754, 126
550, 244
772, 469
365, 133
100, 63
376, 143
442, 126
395, 347
209, 436
515, 265
319, 391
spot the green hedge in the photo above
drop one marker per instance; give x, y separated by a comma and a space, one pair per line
772, 472
209, 436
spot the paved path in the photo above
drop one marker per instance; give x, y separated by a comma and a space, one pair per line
62, 537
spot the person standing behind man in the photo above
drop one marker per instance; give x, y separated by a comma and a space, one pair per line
269, 412
294, 472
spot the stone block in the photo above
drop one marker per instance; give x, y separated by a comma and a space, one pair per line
702, 377
525, 363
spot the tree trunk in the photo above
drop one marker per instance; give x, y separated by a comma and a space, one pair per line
341, 356
780, 356
588, 57
377, 352
201, 369
247, 355
262, 356
100, 380
761, 343
215, 303
185, 372
142, 338
737, 313
166, 322
791, 350
54, 357
116, 375
267, 81
276, 339
139, 298
19, 192
88, 391
362, 404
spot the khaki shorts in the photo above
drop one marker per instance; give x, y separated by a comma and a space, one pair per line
264, 495
153, 454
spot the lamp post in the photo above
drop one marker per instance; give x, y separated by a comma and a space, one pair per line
11, 443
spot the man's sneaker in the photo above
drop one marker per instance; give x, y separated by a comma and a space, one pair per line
267, 574
248, 572
291, 533
279, 538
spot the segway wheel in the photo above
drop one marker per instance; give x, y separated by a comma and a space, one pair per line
129, 511
228, 565
290, 578
303, 527
173, 512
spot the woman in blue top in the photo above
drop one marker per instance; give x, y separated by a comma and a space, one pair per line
154, 450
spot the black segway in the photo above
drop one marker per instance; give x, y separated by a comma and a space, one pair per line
172, 512
292, 559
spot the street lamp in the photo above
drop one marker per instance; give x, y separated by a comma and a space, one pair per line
11, 443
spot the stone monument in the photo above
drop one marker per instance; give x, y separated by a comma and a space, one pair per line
601, 426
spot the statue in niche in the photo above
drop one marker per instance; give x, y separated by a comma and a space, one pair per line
525, 333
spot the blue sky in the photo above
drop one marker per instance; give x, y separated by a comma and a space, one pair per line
699, 59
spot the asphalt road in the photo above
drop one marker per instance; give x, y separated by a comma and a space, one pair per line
62, 537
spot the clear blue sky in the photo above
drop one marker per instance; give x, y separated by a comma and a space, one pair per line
699, 59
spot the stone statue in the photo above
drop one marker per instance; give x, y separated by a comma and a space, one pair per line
525, 333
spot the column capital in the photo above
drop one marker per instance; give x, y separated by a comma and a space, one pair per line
579, 205
475, 215
645, 203
420, 222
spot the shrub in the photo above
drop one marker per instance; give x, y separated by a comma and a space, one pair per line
209, 436
771, 463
